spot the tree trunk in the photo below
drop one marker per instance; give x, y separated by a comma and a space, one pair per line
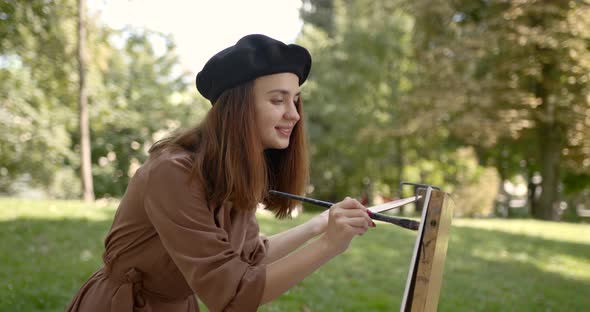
550, 148
399, 161
502, 206
85, 159
532, 186
423, 176
550, 138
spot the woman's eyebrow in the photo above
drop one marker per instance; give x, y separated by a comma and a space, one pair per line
283, 91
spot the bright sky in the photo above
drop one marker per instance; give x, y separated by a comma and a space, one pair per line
202, 28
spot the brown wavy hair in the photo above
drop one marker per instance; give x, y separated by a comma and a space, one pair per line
228, 159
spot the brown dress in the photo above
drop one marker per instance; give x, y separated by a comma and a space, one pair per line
168, 244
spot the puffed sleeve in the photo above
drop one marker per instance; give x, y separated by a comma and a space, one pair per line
256, 245
216, 273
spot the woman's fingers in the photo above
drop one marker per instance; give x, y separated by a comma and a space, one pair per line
351, 208
347, 219
350, 203
359, 222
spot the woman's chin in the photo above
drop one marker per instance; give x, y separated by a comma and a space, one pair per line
278, 145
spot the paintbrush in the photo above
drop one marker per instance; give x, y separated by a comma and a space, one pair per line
373, 211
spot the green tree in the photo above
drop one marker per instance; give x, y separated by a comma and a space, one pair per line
357, 77
140, 95
135, 88
366, 130
37, 95
512, 74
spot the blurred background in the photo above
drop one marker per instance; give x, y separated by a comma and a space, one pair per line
489, 100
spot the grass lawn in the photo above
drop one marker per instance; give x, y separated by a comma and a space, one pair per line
49, 248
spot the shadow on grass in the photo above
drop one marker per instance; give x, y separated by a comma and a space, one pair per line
44, 262
491, 270
485, 270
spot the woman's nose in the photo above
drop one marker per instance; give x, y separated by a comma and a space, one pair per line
292, 113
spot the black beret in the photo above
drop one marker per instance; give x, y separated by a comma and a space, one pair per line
251, 57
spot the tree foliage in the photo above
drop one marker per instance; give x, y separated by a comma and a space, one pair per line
136, 93
37, 92
462, 94
367, 129
515, 81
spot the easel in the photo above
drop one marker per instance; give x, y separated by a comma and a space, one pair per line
428, 259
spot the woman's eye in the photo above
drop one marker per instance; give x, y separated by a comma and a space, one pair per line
276, 101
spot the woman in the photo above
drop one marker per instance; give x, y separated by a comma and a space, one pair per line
186, 224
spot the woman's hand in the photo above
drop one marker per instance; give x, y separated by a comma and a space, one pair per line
340, 224
345, 220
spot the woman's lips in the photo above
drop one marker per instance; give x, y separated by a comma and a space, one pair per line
285, 131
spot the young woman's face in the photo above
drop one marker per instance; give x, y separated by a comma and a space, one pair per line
276, 114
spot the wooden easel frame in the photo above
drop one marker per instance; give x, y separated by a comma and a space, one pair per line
427, 265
